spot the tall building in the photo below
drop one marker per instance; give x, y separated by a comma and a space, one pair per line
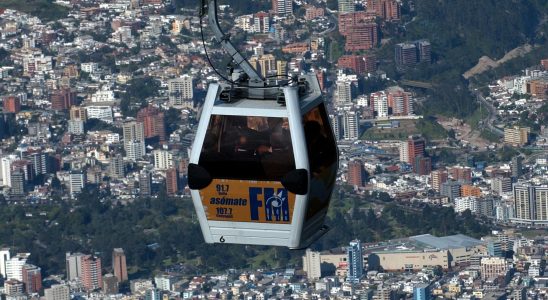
281, 68
76, 127
116, 166
74, 265
422, 165
62, 99
181, 91
356, 175
362, 36
517, 166
424, 51
153, 122
119, 264
133, 131
450, 189
6, 162
379, 103
282, 7
491, 267
530, 204
501, 185
312, 264
437, 178
18, 183
261, 22
57, 292
172, 181
41, 162
32, 278
337, 125
409, 54
351, 125
416, 146
400, 103
404, 151
344, 91
135, 150
516, 136
14, 266
422, 292
163, 159
92, 277
405, 54
77, 182
4, 257
346, 6
355, 261
145, 183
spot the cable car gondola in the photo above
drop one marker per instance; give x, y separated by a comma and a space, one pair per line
264, 160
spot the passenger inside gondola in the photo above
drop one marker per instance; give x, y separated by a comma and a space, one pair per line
243, 147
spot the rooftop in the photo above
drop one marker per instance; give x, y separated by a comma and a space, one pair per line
447, 242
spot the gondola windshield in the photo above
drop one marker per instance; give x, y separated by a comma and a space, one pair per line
247, 148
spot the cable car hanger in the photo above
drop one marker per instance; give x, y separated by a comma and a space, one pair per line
245, 81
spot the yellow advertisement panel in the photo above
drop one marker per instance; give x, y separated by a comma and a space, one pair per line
247, 201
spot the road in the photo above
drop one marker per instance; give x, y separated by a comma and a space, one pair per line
333, 20
488, 121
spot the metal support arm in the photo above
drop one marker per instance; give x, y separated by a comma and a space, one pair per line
254, 77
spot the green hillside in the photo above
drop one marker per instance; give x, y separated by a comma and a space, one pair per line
462, 31
43, 9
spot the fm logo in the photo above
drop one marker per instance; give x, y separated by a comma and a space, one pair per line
275, 204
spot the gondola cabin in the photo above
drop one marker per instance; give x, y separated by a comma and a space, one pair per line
262, 171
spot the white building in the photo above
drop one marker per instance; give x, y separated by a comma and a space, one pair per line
351, 125
14, 266
77, 182
74, 265
311, 264
404, 151
135, 150
91, 67
163, 159
464, 203
244, 22
344, 92
181, 91
76, 126
379, 102
164, 282
103, 95
101, 112
6, 162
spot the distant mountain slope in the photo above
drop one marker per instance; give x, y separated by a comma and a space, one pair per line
463, 31
43, 9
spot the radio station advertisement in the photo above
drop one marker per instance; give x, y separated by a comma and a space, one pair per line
248, 201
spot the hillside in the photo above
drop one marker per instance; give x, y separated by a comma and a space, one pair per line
43, 9
463, 31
